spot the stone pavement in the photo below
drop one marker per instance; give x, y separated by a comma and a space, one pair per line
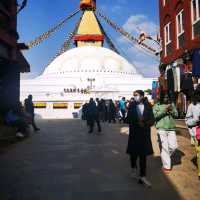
64, 162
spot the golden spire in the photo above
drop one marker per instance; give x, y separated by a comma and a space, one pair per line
88, 4
89, 32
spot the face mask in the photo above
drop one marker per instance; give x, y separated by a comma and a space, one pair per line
137, 98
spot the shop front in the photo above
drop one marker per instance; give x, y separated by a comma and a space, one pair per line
179, 79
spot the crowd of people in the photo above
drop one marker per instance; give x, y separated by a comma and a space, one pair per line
141, 116
105, 110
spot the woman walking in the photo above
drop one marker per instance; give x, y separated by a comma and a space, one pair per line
140, 118
164, 113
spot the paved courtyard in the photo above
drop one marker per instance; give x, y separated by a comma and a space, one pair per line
64, 162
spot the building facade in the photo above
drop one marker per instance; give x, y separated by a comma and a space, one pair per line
180, 56
179, 28
12, 61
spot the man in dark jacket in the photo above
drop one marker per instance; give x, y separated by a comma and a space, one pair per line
93, 115
140, 118
29, 108
111, 111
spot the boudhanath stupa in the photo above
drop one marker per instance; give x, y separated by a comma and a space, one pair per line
89, 70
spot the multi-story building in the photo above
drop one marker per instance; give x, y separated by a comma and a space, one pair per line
179, 28
12, 61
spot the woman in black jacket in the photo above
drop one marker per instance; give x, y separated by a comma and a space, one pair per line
140, 118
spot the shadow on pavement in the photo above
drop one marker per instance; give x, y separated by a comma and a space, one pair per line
64, 162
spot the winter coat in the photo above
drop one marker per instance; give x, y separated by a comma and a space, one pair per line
139, 142
163, 119
29, 107
92, 111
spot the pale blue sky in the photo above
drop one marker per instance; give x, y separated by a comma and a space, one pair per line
40, 15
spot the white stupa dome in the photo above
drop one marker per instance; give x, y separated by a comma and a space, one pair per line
90, 59
79, 74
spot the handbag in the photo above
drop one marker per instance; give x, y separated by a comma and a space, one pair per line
198, 133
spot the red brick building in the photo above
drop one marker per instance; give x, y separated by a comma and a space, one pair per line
179, 28
12, 61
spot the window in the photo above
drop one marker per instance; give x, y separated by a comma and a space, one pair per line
165, 2
60, 105
40, 105
195, 10
179, 23
77, 105
180, 29
168, 42
167, 34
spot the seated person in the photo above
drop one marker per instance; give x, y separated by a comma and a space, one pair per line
16, 118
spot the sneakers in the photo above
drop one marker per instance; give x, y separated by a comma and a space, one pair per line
143, 180
134, 174
19, 135
37, 129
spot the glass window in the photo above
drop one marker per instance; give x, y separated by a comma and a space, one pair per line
180, 29
167, 33
199, 7
164, 2
194, 17
195, 10
60, 105
77, 105
195, 6
40, 105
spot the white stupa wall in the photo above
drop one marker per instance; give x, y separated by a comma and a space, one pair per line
114, 77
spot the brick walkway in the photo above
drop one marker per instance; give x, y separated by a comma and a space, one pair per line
64, 162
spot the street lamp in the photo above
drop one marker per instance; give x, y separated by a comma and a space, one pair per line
91, 80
